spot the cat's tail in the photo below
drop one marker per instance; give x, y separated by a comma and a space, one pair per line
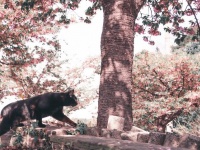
5, 125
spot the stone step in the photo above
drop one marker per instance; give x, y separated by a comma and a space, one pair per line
84, 142
136, 135
185, 141
157, 138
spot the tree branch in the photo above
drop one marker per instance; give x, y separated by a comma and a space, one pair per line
153, 94
11, 64
164, 119
161, 81
198, 33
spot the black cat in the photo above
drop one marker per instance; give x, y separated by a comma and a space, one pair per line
49, 104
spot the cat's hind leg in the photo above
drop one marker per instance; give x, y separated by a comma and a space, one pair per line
5, 125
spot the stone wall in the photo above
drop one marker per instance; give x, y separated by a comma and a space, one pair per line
136, 139
84, 142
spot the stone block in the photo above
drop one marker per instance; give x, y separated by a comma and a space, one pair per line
58, 146
116, 134
136, 129
59, 132
157, 138
106, 133
143, 137
85, 142
92, 131
111, 133
172, 139
129, 135
190, 141
115, 122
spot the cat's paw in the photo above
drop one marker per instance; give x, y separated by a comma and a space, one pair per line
74, 125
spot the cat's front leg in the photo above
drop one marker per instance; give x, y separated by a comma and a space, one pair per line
39, 119
61, 117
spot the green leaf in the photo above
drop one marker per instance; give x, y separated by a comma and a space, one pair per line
87, 20
177, 41
195, 38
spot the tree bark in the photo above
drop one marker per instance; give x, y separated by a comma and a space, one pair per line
117, 40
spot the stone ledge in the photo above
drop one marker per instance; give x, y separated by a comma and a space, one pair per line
157, 138
80, 142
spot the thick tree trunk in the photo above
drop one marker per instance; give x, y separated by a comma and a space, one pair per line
117, 39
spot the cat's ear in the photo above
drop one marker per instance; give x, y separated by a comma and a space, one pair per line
70, 92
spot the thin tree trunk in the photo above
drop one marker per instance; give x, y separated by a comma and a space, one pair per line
115, 91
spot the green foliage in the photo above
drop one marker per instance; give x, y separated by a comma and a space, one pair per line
171, 12
161, 85
188, 122
31, 131
92, 10
180, 38
186, 119
19, 138
81, 128
27, 5
187, 45
192, 48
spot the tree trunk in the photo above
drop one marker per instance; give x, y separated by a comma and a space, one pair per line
115, 91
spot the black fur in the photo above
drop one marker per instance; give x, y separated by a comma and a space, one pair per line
49, 104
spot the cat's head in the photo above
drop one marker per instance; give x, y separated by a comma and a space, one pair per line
70, 98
